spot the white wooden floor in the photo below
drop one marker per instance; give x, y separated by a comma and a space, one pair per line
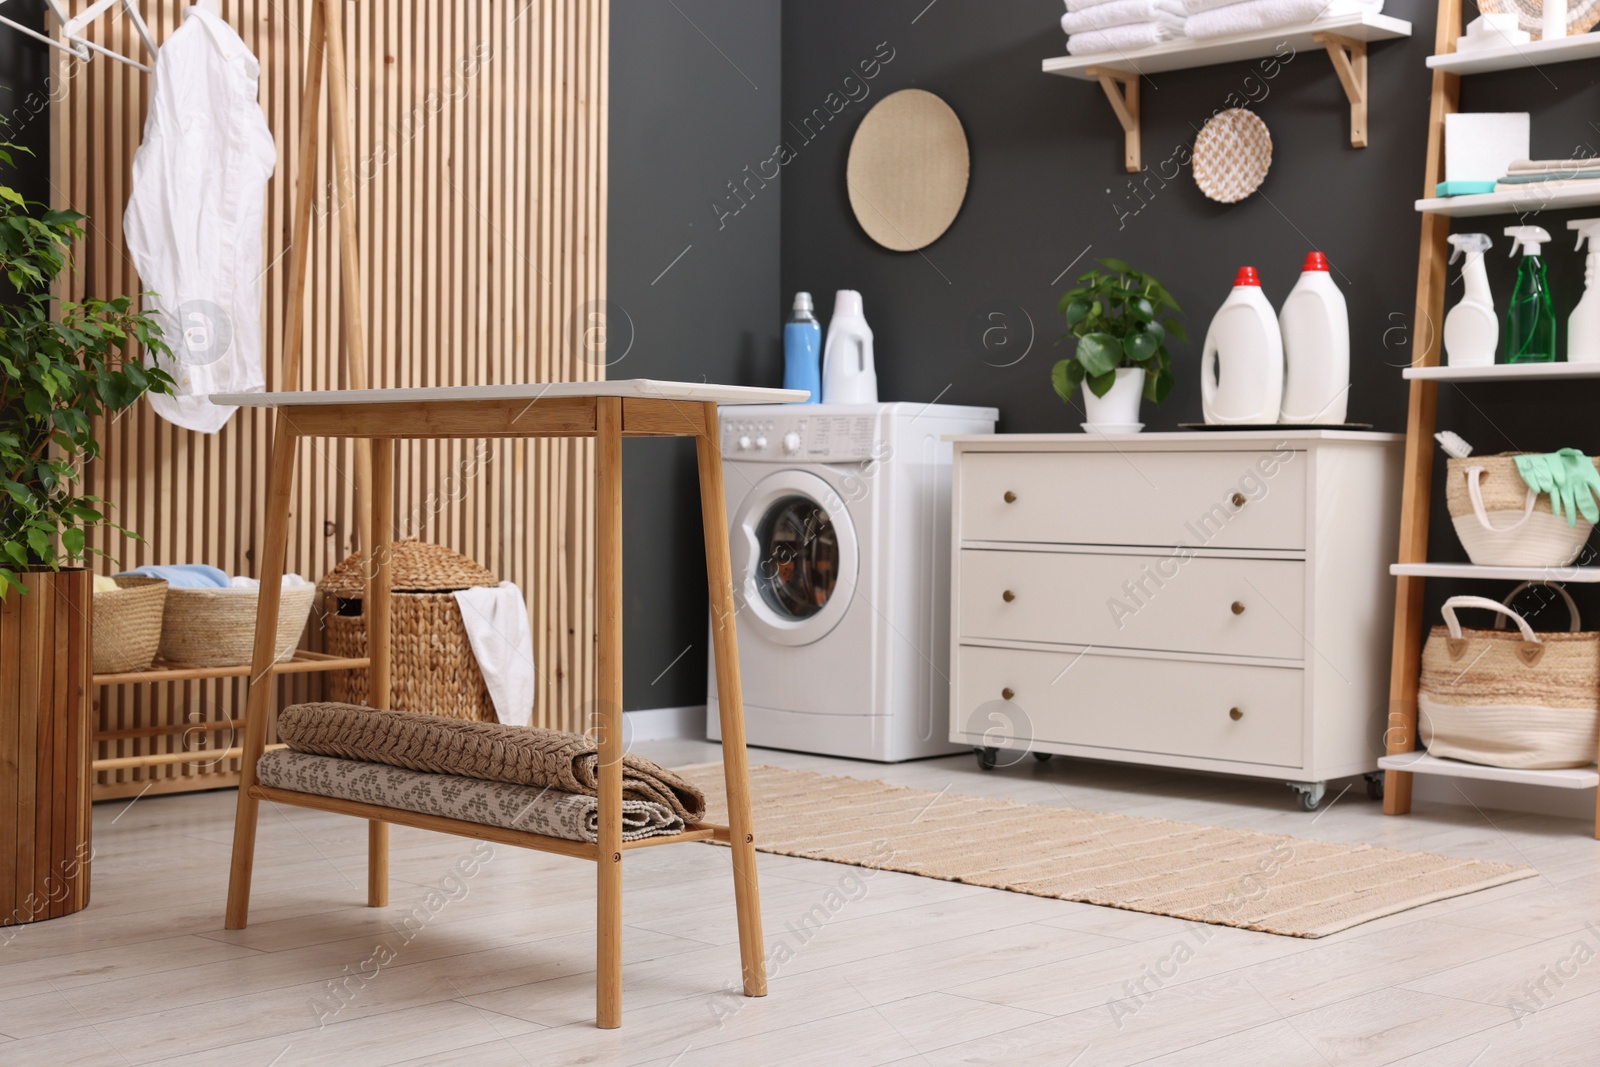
490, 962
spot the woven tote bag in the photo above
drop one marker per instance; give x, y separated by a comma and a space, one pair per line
1501, 522
1523, 700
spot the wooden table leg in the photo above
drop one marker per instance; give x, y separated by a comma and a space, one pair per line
262, 685
730, 704
608, 707
376, 606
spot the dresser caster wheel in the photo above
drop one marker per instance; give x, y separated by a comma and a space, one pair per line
1310, 793
1043, 757
1374, 785
987, 757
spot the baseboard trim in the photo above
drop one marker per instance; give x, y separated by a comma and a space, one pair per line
666, 724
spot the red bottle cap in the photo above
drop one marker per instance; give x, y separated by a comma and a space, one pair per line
1247, 276
1315, 261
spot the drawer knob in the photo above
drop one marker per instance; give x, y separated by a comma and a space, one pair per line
1238, 607
1007, 693
1235, 714
1238, 500
1008, 596
1011, 498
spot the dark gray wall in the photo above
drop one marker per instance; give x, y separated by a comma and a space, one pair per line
695, 94
24, 100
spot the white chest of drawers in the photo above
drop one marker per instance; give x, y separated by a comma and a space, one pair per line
1212, 601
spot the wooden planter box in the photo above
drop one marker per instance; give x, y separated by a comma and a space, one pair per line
44, 747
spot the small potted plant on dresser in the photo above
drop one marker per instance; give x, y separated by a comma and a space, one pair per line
1121, 319
62, 365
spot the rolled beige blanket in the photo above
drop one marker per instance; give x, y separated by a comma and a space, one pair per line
486, 750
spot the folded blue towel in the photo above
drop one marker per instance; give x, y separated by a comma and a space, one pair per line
1462, 188
183, 575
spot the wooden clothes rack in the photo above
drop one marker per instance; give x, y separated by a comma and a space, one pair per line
378, 420
1402, 760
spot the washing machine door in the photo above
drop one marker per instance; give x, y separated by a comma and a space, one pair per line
795, 560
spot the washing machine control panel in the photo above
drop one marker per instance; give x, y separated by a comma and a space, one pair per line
780, 436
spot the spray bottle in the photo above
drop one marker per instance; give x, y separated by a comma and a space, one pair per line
1530, 316
1583, 328
1471, 330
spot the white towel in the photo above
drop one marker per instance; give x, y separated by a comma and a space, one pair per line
497, 628
1263, 14
1128, 38
1084, 5
1122, 12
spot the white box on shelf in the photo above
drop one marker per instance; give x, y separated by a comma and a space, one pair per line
1480, 146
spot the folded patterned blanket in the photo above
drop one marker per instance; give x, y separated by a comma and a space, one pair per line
516, 807
490, 751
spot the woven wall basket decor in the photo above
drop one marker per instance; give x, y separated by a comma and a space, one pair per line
907, 171
1582, 15
1232, 153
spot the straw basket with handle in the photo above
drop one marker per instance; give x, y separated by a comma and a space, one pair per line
1502, 522
433, 670
1524, 700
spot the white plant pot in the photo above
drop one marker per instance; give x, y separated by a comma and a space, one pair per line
1120, 406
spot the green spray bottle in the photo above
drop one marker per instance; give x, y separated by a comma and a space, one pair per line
1530, 315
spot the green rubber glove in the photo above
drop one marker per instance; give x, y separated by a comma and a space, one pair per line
1584, 483
1535, 471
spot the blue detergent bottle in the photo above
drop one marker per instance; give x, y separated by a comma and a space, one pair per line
802, 349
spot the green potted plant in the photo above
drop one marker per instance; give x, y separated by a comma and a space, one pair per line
62, 364
1116, 315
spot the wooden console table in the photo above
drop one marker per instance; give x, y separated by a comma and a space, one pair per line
608, 412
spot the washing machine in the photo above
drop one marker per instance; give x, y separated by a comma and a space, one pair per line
839, 519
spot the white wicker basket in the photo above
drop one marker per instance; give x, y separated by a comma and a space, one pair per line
1502, 522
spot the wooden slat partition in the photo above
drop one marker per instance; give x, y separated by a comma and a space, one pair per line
480, 181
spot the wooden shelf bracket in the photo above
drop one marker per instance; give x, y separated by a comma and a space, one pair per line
1122, 89
1349, 57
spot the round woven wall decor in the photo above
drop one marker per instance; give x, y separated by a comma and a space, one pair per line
907, 172
1582, 15
1232, 154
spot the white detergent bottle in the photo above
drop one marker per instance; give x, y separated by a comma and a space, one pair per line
1316, 348
1241, 366
1472, 329
1583, 328
848, 373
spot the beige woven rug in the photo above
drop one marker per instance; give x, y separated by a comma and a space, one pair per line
1280, 885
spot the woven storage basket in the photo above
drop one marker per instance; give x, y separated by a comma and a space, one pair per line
432, 668
1522, 700
217, 627
127, 624
1508, 525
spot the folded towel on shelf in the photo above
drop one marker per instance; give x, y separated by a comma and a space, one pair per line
1121, 13
1550, 179
1251, 15
496, 621
182, 575
1084, 5
1129, 38
1588, 180
289, 582
492, 751
1561, 168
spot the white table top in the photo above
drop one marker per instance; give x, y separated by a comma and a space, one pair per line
645, 388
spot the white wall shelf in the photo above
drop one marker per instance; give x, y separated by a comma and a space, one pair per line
1520, 56
1584, 575
1422, 763
1531, 202
1343, 37
1506, 372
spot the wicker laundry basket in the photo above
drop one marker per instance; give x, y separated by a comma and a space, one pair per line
433, 670
127, 624
217, 627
